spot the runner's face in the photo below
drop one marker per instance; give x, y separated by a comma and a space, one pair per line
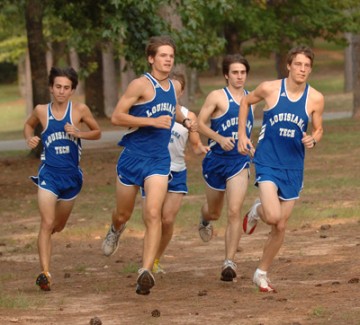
61, 90
163, 61
237, 75
300, 68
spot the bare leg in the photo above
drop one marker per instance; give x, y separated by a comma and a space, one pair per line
211, 210
54, 215
155, 189
125, 202
236, 189
170, 209
62, 214
275, 213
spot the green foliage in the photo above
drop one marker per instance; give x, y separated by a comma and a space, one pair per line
12, 49
198, 39
19, 301
197, 26
12, 31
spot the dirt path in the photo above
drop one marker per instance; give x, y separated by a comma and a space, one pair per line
316, 274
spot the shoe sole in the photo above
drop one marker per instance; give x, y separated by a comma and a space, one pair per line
144, 283
268, 289
245, 222
206, 238
228, 274
43, 282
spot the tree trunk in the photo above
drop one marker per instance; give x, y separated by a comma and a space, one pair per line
356, 76
126, 75
111, 84
348, 68
231, 33
24, 77
75, 64
280, 64
37, 53
94, 86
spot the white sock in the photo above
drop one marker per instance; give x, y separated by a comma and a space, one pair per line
260, 272
253, 211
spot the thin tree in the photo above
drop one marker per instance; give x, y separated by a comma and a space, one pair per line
37, 53
356, 75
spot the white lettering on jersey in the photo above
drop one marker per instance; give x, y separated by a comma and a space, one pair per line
62, 150
228, 123
161, 107
289, 133
61, 135
287, 117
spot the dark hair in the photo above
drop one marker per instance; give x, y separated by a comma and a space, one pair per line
179, 77
69, 73
234, 58
155, 42
307, 51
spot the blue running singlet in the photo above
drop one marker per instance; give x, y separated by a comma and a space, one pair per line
227, 125
61, 150
151, 141
279, 144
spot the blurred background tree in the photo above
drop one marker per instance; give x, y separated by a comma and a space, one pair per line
105, 40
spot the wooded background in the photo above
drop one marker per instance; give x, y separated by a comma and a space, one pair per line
105, 40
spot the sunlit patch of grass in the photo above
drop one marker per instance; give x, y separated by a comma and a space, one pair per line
102, 287
130, 267
319, 312
6, 277
16, 301
80, 268
12, 153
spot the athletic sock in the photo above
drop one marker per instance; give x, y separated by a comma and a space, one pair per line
113, 229
204, 222
260, 272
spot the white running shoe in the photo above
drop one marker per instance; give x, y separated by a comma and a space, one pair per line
205, 232
263, 283
228, 272
251, 218
111, 241
145, 282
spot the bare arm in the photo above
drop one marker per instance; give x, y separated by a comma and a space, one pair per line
317, 103
85, 116
29, 127
212, 102
136, 91
188, 122
245, 145
195, 140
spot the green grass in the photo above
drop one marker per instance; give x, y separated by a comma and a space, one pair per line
130, 267
17, 301
13, 112
9, 93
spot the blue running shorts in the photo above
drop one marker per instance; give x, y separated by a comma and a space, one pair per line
177, 183
217, 170
65, 184
134, 169
289, 182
